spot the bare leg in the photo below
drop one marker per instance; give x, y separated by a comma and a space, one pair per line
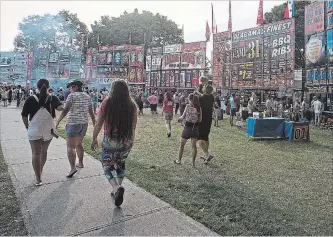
43, 158
194, 150
79, 151
71, 143
203, 146
168, 126
115, 184
181, 149
36, 148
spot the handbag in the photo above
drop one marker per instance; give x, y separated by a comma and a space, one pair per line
54, 131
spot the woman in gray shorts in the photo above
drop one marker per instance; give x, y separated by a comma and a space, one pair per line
78, 106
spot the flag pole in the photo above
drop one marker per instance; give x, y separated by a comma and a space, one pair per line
230, 35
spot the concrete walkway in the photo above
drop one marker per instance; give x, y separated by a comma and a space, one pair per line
82, 205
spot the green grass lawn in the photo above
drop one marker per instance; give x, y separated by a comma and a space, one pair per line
11, 222
251, 187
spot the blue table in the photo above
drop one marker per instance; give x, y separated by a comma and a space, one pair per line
265, 127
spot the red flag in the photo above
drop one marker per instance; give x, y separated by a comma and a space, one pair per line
286, 12
207, 32
230, 20
260, 17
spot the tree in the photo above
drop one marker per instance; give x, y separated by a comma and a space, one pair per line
135, 28
277, 14
51, 31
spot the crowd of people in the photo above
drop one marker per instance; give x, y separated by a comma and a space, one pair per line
116, 111
8, 94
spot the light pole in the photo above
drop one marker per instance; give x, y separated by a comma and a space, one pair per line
302, 51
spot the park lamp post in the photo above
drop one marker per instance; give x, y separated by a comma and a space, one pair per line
302, 52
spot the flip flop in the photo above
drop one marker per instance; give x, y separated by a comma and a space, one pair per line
70, 175
119, 196
79, 166
38, 183
209, 159
202, 158
177, 162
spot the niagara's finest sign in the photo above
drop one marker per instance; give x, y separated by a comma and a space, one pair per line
257, 57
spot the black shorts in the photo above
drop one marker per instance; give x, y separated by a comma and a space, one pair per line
233, 112
190, 132
204, 130
153, 107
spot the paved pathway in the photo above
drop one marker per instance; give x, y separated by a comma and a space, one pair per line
82, 205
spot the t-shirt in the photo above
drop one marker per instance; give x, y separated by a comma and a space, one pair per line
275, 105
269, 104
168, 105
94, 97
206, 104
317, 106
31, 106
182, 101
152, 100
237, 100
81, 103
176, 99
66, 94
217, 103
232, 103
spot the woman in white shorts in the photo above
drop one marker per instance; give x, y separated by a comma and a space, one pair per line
39, 109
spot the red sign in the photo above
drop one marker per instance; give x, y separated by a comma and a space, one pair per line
193, 55
171, 61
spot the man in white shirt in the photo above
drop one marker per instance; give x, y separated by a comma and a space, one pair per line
317, 110
269, 106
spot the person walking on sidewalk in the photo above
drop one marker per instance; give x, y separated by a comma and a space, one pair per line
40, 109
78, 106
118, 113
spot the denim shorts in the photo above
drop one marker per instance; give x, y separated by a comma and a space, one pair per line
76, 130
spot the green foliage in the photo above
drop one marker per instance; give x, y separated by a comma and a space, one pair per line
277, 14
51, 31
135, 28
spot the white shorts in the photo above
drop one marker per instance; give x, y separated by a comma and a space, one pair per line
39, 133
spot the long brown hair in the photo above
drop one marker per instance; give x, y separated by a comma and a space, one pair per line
120, 110
194, 99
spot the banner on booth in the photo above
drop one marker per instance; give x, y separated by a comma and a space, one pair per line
314, 18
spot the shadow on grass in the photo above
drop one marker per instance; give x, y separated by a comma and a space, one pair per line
223, 205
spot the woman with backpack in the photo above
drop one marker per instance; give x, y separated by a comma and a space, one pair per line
118, 113
168, 111
192, 116
40, 109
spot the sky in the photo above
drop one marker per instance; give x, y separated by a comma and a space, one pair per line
192, 14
